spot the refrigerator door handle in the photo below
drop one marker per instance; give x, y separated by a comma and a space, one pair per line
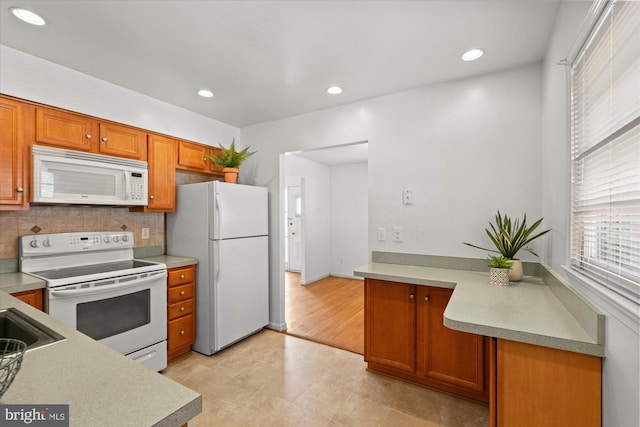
217, 266
218, 216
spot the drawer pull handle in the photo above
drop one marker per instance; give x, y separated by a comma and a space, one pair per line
181, 308
182, 293
182, 276
412, 296
181, 332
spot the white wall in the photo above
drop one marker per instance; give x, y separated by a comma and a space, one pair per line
465, 148
316, 216
35, 79
621, 367
349, 212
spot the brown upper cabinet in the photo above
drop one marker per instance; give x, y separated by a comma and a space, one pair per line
193, 157
83, 133
13, 155
162, 176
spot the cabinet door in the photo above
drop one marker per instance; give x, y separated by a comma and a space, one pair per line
390, 324
193, 156
122, 141
162, 177
13, 180
448, 357
34, 298
213, 168
65, 130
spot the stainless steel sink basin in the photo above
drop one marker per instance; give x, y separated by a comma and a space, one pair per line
17, 325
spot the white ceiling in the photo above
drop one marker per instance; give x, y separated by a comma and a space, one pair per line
266, 60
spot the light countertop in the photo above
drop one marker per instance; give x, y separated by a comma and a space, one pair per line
19, 282
527, 311
102, 387
171, 261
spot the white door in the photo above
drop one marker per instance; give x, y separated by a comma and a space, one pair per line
294, 229
241, 288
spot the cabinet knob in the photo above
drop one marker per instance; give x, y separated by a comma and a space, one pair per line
182, 293
88, 136
205, 159
181, 308
104, 138
152, 197
412, 296
426, 298
181, 332
20, 190
182, 276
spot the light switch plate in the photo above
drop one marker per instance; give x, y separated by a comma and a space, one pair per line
407, 197
382, 234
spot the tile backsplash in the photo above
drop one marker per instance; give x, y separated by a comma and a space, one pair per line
64, 219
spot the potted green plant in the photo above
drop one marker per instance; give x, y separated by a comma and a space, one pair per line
499, 268
509, 236
229, 159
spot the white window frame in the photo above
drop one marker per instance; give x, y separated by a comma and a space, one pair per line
623, 283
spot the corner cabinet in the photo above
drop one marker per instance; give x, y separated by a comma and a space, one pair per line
13, 155
405, 337
181, 314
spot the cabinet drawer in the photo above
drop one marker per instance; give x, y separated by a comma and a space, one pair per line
179, 276
181, 332
180, 293
180, 309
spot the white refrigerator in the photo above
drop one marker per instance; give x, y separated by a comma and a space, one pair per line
225, 227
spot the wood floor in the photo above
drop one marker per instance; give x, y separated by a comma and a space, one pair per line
329, 311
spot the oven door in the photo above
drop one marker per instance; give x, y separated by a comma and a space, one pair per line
127, 313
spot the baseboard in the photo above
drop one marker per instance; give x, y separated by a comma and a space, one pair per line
346, 276
277, 326
313, 279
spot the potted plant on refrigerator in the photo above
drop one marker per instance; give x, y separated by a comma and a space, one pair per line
509, 237
229, 159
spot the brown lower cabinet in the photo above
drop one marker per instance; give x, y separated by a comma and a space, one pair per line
34, 298
405, 337
534, 386
181, 314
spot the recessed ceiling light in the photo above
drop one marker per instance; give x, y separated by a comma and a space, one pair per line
472, 54
205, 93
27, 16
334, 90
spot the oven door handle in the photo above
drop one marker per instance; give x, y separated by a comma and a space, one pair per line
100, 289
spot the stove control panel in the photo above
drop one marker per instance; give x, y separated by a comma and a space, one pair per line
59, 243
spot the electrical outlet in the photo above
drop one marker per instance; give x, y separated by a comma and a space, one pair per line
397, 234
145, 233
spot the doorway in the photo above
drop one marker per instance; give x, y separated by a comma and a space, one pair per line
325, 237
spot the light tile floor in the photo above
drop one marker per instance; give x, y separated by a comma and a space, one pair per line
273, 379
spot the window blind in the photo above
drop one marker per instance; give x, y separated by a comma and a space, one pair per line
605, 151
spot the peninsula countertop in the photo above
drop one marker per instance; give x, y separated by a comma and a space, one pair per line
101, 386
527, 311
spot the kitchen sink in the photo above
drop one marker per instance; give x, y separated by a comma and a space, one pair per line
17, 325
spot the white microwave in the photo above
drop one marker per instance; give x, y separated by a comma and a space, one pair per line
74, 177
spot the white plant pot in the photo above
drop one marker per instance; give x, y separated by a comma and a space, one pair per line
515, 273
499, 276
